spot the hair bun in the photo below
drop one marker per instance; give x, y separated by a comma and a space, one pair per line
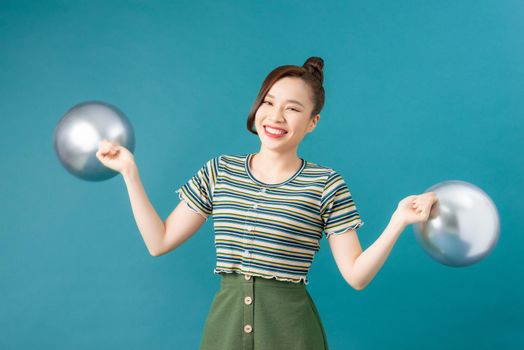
315, 66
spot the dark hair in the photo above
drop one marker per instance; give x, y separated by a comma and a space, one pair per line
311, 72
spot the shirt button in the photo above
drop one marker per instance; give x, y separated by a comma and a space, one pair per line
246, 251
248, 328
248, 300
263, 190
250, 228
255, 206
247, 277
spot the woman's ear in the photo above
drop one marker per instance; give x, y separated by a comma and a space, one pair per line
313, 123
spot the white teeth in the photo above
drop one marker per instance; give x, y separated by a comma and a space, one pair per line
275, 131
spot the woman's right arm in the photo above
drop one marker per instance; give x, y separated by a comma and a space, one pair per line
159, 237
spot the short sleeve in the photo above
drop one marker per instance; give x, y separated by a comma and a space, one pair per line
197, 192
337, 208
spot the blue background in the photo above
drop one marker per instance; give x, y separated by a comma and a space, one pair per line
417, 92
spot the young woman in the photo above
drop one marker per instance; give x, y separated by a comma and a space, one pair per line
270, 210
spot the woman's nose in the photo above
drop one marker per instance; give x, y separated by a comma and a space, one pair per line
275, 116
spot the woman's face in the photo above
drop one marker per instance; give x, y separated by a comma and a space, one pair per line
286, 106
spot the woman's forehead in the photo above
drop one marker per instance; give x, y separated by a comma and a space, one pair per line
289, 88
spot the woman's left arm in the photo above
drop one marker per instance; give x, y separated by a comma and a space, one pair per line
359, 267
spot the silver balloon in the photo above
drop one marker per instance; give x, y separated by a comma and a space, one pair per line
80, 130
466, 227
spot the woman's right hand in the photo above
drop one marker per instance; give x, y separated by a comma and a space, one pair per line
114, 156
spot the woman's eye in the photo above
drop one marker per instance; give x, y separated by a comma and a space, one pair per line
293, 109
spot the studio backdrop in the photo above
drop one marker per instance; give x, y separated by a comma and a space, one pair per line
416, 93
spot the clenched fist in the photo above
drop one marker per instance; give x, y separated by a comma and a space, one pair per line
417, 208
114, 156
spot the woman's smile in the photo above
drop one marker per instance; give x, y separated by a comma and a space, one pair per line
273, 133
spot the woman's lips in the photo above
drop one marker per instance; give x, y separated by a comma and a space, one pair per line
273, 135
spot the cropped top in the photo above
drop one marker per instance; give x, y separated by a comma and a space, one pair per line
269, 230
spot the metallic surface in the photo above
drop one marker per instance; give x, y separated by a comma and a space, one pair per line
466, 228
78, 133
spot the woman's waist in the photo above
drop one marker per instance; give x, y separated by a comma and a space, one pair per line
240, 278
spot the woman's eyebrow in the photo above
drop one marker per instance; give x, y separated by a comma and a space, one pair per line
293, 101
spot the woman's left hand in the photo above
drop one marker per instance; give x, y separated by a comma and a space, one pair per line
417, 208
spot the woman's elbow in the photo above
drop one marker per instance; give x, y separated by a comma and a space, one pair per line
358, 287
355, 284
156, 253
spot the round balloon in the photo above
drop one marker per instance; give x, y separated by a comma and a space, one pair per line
465, 228
80, 130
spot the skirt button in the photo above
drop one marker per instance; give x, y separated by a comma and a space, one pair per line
247, 277
248, 300
248, 328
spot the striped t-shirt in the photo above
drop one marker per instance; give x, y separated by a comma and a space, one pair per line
269, 230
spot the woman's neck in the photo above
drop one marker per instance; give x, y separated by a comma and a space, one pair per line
272, 167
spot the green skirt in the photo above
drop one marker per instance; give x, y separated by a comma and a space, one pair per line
255, 313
